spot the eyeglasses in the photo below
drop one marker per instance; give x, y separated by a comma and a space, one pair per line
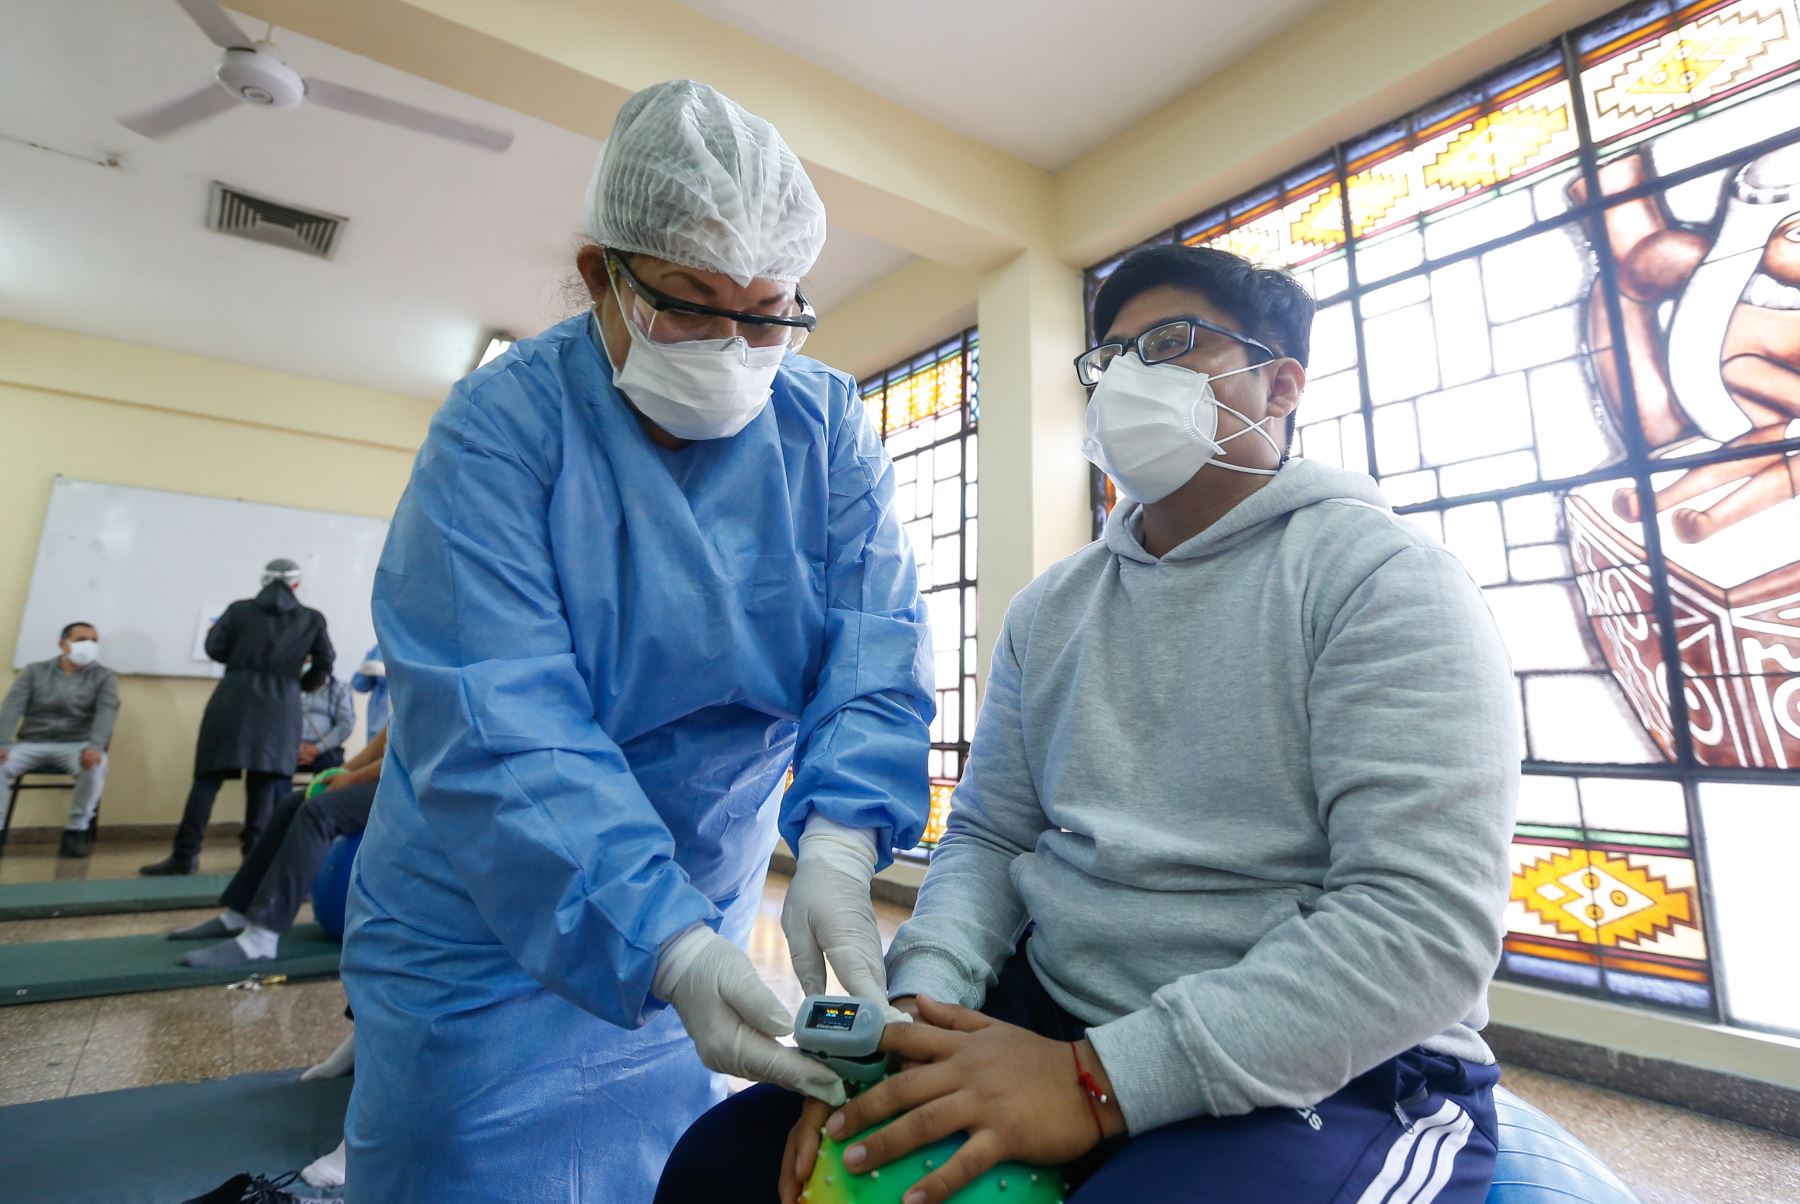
1158, 345
671, 320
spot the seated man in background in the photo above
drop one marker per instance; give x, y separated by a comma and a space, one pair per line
62, 710
262, 899
327, 717
1227, 869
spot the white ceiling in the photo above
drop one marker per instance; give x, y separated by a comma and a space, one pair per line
443, 244
1043, 80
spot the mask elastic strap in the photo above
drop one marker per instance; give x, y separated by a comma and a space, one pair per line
1248, 427
1235, 371
1256, 472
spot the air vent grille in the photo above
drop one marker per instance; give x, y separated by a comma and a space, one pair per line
245, 215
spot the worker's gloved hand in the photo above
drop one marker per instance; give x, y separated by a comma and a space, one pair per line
828, 915
733, 1018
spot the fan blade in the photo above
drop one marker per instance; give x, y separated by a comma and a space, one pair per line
166, 119
380, 108
216, 24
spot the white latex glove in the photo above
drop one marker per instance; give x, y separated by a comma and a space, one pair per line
828, 915
733, 1018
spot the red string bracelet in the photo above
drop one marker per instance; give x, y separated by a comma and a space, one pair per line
1090, 1090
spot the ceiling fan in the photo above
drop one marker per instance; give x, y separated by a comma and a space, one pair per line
252, 73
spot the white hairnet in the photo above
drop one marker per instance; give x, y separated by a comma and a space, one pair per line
691, 177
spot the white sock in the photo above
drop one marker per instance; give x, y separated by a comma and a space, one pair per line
258, 943
327, 1171
339, 1064
237, 921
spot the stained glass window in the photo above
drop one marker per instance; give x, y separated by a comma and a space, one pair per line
1562, 330
928, 411
1605, 894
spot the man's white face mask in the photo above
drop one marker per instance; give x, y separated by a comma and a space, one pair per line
84, 652
1151, 427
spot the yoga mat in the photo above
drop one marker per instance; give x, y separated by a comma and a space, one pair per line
107, 896
120, 965
161, 1145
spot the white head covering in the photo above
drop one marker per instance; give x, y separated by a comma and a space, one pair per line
282, 570
691, 177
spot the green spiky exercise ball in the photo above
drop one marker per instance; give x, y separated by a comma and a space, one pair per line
1006, 1183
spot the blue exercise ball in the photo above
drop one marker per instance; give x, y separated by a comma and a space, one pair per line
1540, 1162
331, 889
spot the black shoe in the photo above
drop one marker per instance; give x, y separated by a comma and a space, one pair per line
172, 864
75, 844
250, 1189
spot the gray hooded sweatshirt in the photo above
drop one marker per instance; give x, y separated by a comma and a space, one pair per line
1256, 798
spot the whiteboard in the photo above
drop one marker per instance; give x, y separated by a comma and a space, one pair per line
153, 569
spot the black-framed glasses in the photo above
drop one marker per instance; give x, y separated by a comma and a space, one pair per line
685, 321
1158, 345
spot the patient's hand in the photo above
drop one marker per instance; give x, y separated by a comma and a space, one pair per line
803, 1141
802, 1149
1013, 1092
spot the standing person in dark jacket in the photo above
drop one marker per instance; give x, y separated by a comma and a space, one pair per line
252, 722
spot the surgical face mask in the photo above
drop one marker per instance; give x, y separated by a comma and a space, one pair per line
704, 389
1151, 427
84, 652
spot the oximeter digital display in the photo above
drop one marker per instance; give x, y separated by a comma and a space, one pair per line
838, 1016
844, 1033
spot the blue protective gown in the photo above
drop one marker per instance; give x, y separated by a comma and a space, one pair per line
603, 657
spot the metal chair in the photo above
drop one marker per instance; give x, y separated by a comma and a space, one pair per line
66, 782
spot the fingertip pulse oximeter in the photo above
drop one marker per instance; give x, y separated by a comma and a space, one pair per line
845, 1034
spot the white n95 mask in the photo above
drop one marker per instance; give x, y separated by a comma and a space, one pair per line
1151, 427
84, 652
704, 389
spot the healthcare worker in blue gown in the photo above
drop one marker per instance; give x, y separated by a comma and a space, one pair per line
646, 561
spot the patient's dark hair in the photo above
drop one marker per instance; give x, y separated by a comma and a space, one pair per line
73, 626
1265, 303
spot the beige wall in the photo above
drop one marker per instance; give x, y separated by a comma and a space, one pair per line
125, 414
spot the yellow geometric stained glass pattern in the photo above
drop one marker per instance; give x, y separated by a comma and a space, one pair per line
1689, 64
1284, 235
1460, 157
1373, 196
1601, 899
1496, 146
1259, 242
930, 391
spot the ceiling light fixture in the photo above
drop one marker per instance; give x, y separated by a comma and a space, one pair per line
497, 345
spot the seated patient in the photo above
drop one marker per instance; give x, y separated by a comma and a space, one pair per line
58, 717
327, 717
263, 897
1225, 874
